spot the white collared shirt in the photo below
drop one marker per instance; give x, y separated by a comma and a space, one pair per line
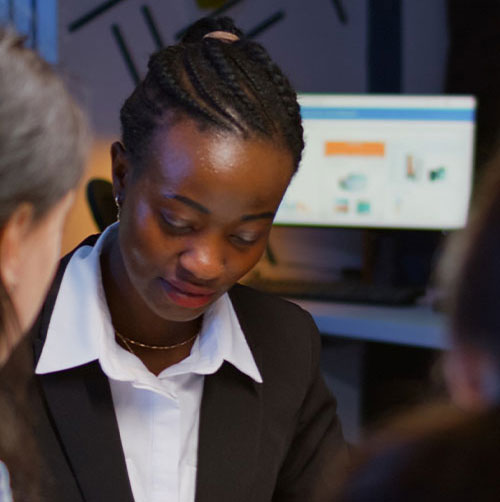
5, 492
158, 416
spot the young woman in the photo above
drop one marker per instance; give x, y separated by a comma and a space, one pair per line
43, 140
160, 378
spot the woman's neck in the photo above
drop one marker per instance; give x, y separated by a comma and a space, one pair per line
129, 313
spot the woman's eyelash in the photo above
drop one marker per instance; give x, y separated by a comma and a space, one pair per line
178, 225
246, 240
175, 223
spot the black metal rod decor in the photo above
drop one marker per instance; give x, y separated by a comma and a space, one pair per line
152, 27
267, 23
341, 12
215, 13
97, 11
384, 46
122, 46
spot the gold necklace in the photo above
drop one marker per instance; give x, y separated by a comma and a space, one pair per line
126, 341
127, 346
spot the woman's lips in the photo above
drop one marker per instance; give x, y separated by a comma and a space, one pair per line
186, 294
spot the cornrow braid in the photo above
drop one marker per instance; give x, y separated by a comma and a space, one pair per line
232, 86
224, 66
255, 86
162, 70
204, 91
285, 91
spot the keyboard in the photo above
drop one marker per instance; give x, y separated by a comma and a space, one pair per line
338, 291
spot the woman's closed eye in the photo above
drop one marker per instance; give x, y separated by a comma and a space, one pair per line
176, 224
245, 238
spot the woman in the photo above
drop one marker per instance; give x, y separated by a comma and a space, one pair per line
161, 379
42, 143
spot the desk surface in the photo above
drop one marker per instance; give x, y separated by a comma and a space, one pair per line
416, 325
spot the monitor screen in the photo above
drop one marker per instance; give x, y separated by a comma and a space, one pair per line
383, 161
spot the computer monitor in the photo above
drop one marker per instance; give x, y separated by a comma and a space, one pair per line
383, 161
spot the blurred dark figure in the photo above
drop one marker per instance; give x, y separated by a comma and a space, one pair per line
470, 272
441, 454
452, 453
474, 65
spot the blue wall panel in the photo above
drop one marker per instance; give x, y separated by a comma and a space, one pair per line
47, 36
37, 19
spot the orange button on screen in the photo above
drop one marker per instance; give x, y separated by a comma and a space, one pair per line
365, 148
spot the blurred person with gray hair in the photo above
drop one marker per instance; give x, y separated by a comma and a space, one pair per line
43, 144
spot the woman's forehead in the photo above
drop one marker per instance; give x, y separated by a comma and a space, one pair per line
184, 151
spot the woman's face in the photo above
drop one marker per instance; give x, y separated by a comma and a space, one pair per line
197, 215
30, 251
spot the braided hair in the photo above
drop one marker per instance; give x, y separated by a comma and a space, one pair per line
232, 86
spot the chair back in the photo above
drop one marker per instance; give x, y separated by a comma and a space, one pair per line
101, 202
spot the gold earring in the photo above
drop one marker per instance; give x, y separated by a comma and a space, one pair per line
11, 281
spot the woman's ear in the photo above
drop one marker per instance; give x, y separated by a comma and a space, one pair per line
13, 244
120, 169
472, 378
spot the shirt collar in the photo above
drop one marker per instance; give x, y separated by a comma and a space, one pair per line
80, 329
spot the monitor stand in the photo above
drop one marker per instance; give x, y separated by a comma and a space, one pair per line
400, 257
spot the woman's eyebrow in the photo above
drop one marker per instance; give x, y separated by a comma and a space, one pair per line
258, 216
202, 209
189, 202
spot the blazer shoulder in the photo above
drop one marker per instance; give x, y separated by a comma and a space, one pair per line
262, 304
272, 322
41, 324
56, 283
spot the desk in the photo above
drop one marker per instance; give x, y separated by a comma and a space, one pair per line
416, 325
351, 325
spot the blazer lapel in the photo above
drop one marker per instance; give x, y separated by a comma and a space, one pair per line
230, 426
80, 405
229, 436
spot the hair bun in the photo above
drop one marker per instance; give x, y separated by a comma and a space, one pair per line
197, 31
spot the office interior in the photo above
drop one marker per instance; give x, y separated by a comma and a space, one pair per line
376, 358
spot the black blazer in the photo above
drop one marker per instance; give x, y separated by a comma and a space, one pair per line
273, 441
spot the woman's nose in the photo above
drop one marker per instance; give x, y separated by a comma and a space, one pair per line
203, 259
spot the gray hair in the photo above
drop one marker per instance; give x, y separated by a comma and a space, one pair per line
43, 134
43, 144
